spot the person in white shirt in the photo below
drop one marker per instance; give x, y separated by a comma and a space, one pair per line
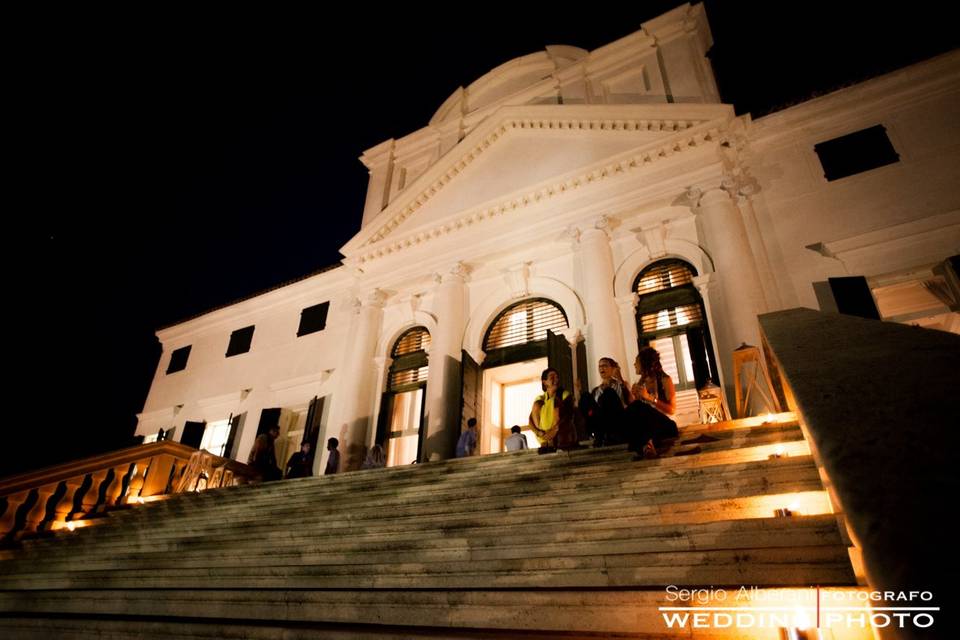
517, 441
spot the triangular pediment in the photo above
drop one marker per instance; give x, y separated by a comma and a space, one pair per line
521, 148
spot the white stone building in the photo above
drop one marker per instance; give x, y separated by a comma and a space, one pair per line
607, 196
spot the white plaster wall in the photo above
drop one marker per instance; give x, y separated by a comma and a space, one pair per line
797, 206
280, 370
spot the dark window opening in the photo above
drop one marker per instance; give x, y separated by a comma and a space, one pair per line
856, 152
313, 319
178, 359
240, 341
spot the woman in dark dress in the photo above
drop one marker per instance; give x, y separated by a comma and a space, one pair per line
654, 402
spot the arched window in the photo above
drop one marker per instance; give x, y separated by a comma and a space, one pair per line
519, 332
399, 428
671, 318
409, 366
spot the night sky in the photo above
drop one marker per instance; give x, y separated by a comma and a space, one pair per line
169, 163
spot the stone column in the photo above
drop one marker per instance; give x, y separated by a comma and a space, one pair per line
745, 204
596, 272
627, 304
443, 385
738, 297
357, 382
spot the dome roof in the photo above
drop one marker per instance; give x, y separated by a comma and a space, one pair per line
507, 79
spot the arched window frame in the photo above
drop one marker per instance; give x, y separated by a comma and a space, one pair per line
533, 345
409, 368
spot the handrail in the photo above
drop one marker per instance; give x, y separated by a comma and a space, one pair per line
66, 494
55, 473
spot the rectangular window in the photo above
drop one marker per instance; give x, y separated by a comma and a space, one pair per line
240, 341
178, 359
313, 319
215, 437
856, 152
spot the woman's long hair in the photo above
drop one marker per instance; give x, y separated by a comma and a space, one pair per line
650, 363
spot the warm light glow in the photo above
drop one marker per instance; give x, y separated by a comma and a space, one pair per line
769, 418
663, 319
73, 525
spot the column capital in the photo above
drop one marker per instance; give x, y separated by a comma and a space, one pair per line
699, 199
457, 272
573, 335
597, 227
374, 298
704, 283
628, 301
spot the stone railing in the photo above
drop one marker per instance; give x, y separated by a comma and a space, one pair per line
70, 494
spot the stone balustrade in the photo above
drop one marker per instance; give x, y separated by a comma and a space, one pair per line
54, 497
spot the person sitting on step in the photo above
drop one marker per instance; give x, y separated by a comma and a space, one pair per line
516, 441
603, 407
551, 418
648, 418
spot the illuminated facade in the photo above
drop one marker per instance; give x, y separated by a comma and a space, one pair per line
571, 205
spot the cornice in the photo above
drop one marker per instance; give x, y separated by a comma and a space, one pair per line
323, 284
692, 126
895, 91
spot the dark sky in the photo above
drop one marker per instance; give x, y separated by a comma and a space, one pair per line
173, 162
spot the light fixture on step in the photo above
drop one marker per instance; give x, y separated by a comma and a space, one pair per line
711, 403
786, 512
779, 452
751, 383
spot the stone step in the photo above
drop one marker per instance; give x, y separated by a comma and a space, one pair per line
308, 615
706, 462
765, 533
418, 475
464, 524
822, 564
465, 470
767, 477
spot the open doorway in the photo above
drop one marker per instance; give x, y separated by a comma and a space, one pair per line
508, 393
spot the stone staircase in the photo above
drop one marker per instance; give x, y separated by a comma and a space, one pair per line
573, 544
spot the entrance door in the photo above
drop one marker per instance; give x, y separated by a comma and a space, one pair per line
509, 392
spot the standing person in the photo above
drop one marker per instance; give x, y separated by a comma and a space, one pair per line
300, 463
263, 458
333, 462
603, 407
551, 417
467, 444
516, 441
375, 458
655, 400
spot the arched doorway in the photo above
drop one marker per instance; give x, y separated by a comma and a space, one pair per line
521, 341
399, 428
671, 318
